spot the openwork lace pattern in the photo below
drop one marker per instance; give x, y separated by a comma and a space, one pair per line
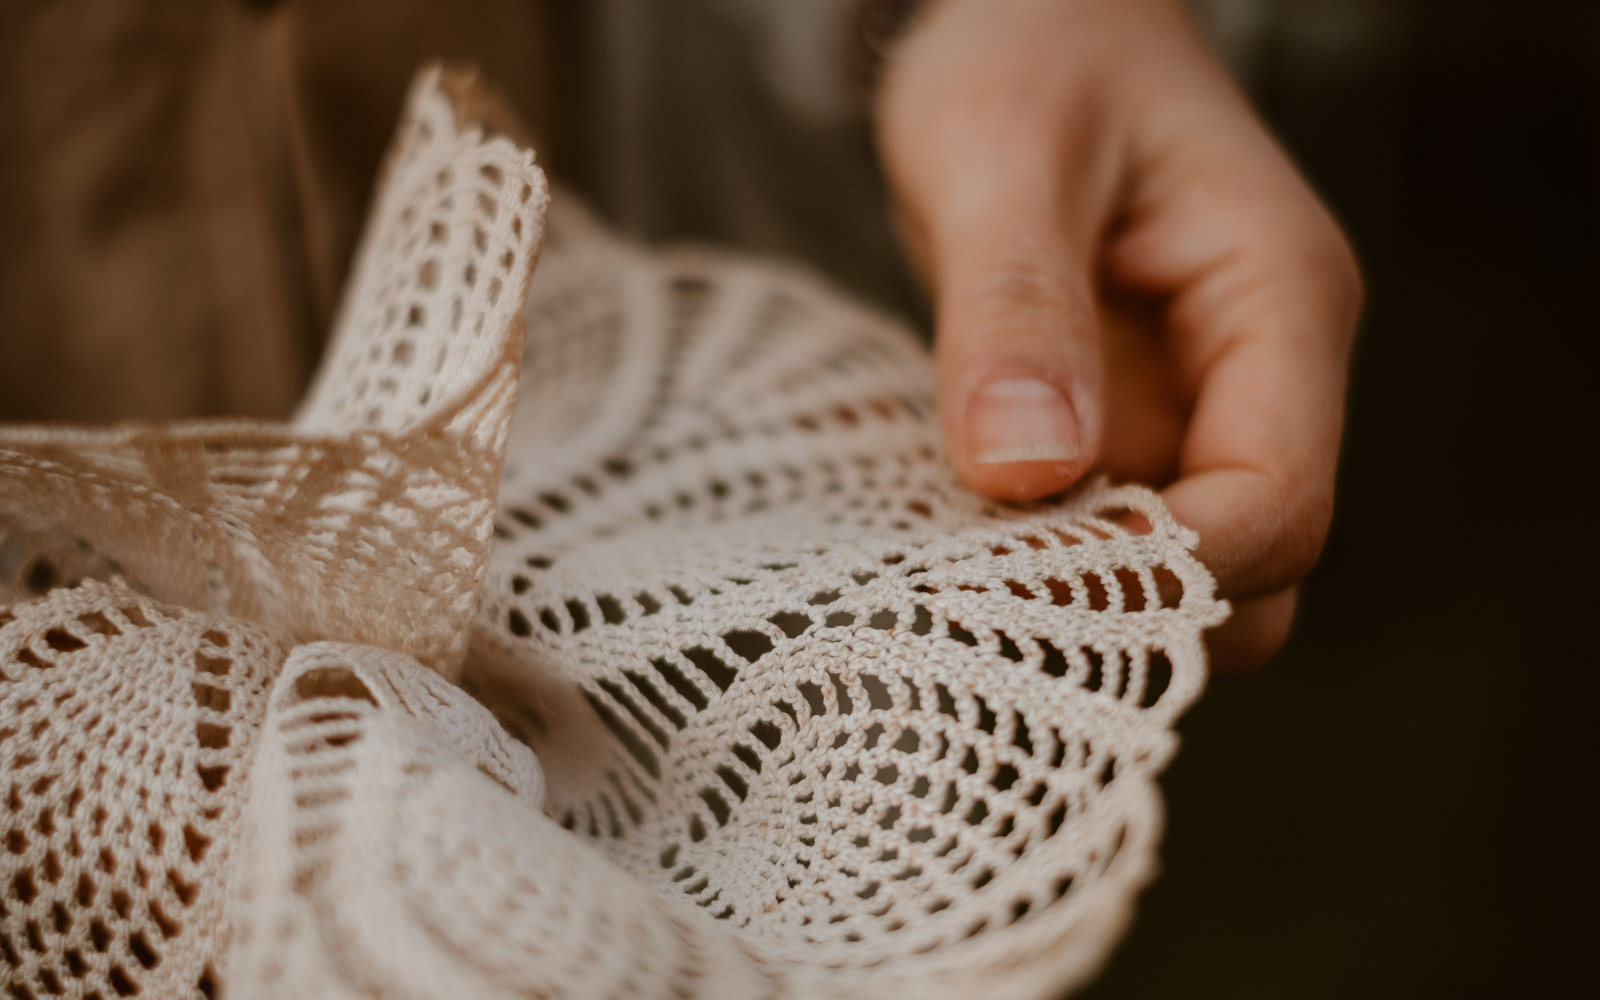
729, 691
324, 526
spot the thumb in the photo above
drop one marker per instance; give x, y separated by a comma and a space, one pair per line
1002, 192
1018, 352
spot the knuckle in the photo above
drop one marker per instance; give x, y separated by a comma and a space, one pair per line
1332, 262
1018, 285
1029, 299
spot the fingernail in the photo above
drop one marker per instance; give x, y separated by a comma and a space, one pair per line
1022, 420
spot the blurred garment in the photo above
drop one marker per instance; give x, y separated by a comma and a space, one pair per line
743, 121
182, 183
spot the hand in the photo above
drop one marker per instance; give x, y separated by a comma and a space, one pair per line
1128, 274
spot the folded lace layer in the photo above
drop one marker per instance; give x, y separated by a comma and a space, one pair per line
325, 527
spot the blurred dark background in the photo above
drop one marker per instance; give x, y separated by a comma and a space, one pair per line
1398, 806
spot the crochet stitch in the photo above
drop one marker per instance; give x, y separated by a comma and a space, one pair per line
724, 688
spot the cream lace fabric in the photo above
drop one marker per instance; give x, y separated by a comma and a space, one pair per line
731, 691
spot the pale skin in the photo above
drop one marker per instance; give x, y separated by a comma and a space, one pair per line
1128, 275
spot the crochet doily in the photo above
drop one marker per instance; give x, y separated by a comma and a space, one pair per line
732, 691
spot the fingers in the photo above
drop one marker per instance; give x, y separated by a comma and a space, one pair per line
1266, 341
1146, 416
1254, 633
1263, 298
1004, 184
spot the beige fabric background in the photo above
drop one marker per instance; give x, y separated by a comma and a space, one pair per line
182, 184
